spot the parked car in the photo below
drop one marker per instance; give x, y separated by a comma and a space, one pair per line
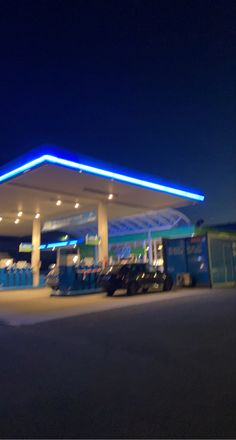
52, 278
134, 277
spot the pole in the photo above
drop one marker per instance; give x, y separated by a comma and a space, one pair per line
150, 259
103, 234
35, 257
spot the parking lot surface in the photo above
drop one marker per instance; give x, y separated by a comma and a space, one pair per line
149, 366
22, 307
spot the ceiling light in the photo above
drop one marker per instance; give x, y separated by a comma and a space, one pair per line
37, 215
0, 219
76, 205
110, 197
59, 202
20, 213
17, 221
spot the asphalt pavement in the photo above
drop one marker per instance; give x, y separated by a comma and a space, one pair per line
151, 369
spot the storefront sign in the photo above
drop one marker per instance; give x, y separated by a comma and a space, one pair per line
92, 240
25, 247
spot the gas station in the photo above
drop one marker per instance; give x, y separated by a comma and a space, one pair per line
51, 189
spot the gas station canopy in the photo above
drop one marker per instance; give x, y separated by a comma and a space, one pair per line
54, 187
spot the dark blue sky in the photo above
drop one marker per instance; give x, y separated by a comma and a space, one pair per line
149, 85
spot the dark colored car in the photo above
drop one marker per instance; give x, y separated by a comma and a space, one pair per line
134, 277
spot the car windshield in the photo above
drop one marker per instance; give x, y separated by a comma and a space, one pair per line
124, 268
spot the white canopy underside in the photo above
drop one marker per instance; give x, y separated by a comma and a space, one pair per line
38, 190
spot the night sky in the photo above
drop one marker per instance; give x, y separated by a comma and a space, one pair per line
149, 85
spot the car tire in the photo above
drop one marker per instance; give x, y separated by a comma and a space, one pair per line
132, 288
145, 290
168, 284
110, 292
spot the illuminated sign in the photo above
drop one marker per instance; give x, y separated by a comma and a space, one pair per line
25, 247
60, 244
92, 240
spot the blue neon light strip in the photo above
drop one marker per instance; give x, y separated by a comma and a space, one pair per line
59, 244
99, 172
72, 242
26, 167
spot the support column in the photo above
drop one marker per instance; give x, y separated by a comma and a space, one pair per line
58, 257
144, 251
150, 259
96, 254
155, 250
35, 256
103, 234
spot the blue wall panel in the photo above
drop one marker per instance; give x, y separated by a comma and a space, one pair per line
175, 256
197, 260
